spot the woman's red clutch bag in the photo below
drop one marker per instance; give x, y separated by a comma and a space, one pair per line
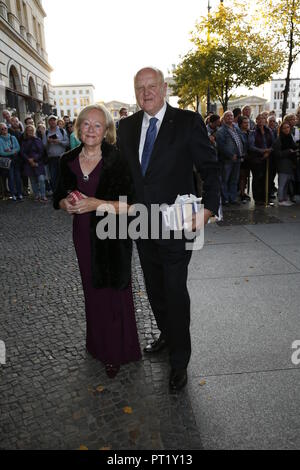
74, 197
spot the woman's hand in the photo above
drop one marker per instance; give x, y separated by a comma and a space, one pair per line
91, 204
86, 205
66, 206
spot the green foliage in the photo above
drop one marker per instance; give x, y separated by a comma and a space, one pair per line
226, 54
282, 22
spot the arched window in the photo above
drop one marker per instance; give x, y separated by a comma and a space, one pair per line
45, 95
14, 80
31, 88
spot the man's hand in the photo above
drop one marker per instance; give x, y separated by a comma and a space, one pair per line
207, 215
266, 154
200, 219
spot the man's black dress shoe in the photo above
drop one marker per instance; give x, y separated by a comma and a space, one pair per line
156, 346
178, 380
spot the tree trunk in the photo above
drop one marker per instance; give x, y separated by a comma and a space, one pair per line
226, 97
290, 64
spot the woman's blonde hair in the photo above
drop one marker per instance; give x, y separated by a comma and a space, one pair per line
288, 117
111, 135
27, 127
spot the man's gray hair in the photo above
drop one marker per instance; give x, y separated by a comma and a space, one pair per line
155, 69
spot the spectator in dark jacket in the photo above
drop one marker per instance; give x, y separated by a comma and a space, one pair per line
212, 127
246, 111
244, 126
237, 112
32, 152
285, 151
230, 149
260, 150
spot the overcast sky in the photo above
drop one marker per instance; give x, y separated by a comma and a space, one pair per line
105, 42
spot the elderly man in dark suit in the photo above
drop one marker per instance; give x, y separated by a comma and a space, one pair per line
163, 145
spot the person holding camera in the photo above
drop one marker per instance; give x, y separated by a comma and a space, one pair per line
55, 141
286, 152
10, 148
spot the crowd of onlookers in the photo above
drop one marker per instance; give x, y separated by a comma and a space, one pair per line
31, 154
261, 149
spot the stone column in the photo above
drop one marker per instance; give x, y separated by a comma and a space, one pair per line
23, 22
3, 10
30, 32
14, 21
13, 7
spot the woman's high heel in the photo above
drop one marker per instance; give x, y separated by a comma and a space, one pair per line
112, 370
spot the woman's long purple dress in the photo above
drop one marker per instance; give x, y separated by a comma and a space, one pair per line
111, 328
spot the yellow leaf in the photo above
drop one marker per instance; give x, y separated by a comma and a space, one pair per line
202, 383
105, 448
83, 448
100, 389
128, 410
134, 434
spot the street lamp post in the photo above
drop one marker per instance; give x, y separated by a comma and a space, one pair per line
208, 88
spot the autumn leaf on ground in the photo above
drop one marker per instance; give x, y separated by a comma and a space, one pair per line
128, 410
105, 448
100, 389
202, 383
134, 434
83, 448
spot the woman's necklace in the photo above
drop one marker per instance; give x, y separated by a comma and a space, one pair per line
86, 178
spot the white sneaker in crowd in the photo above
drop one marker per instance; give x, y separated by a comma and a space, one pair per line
286, 203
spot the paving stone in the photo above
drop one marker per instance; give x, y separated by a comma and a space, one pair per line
44, 387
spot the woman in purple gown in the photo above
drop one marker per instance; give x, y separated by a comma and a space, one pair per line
91, 175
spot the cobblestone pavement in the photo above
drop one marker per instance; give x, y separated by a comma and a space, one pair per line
53, 395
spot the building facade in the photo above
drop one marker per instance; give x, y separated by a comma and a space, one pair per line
115, 106
258, 104
277, 89
69, 100
24, 69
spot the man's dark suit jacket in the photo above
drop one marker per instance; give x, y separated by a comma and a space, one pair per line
181, 145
